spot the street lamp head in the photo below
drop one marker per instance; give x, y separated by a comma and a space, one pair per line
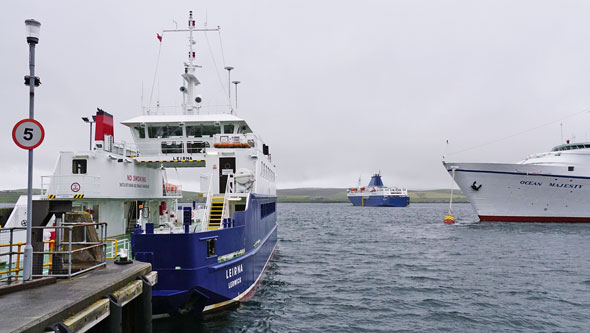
229, 68
236, 82
86, 120
33, 31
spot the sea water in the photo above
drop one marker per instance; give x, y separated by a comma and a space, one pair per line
341, 268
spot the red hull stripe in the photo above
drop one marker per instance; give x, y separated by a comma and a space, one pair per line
533, 219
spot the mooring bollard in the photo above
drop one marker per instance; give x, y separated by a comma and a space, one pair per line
143, 305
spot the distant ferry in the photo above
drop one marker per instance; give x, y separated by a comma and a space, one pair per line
552, 186
377, 195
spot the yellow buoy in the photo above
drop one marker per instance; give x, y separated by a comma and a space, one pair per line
449, 219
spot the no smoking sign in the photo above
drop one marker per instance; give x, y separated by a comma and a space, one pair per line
28, 134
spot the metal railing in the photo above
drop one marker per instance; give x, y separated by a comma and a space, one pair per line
229, 189
76, 249
114, 245
207, 210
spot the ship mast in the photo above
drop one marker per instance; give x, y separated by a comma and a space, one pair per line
190, 102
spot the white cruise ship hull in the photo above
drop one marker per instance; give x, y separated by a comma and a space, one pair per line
524, 192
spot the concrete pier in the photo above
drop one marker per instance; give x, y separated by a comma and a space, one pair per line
84, 301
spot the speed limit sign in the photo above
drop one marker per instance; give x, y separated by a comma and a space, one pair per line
28, 134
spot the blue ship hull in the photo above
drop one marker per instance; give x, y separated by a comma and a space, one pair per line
380, 201
191, 280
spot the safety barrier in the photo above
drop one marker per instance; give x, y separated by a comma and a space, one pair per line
75, 248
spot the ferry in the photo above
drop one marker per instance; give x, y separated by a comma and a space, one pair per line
378, 195
552, 186
105, 181
214, 256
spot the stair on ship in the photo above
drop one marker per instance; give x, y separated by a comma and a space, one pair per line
215, 212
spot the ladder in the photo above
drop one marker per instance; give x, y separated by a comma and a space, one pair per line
215, 212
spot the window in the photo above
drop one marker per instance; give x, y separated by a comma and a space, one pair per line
140, 132
228, 128
174, 131
210, 247
156, 131
196, 146
193, 131
172, 148
570, 168
210, 129
79, 166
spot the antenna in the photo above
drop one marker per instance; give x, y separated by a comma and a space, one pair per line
190, 79
561, 125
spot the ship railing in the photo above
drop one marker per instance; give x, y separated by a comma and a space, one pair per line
162, 149
70, 185
72, 249
229, 190
207, 210
239, 140
114, 245
123, 149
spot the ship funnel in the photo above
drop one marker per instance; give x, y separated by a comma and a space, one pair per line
104, 128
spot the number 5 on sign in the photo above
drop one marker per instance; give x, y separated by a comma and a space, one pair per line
28, 134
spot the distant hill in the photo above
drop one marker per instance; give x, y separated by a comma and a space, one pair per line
339, 195
291, 195
11, 196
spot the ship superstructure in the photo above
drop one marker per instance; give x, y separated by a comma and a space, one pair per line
552, 186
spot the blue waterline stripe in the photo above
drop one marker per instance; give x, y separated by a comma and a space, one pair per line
519, 173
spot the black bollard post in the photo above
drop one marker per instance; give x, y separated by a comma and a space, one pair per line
114, 323
143, 305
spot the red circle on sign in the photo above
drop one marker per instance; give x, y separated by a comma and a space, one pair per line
75, 187
28, 121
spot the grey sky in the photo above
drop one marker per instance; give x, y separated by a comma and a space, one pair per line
338, 89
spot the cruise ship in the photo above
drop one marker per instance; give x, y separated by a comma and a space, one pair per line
378, 195
212, 257
553, 186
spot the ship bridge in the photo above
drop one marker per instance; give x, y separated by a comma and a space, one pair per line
184, 140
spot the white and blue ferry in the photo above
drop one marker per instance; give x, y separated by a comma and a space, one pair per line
215, 254
378, 195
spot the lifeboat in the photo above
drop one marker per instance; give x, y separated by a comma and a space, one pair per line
237, 145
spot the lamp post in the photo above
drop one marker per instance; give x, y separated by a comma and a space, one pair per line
90, 122
236, 84
33, 31
228, 69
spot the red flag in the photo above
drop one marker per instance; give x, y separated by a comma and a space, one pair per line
159, 37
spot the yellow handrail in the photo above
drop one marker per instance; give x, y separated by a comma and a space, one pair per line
116, 246
19, 245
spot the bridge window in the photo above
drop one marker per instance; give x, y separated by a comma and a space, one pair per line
140, 132
79, 166
228, 128
172, 148
164, 131
193, 131
210, 130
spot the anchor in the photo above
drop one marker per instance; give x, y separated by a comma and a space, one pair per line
475, 187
